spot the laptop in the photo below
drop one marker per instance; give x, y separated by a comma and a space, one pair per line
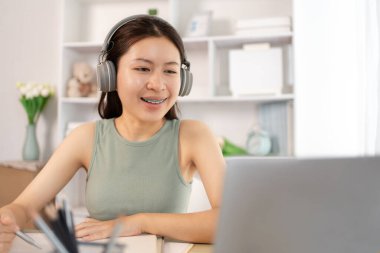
300, 206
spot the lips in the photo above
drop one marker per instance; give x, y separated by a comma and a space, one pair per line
153, 101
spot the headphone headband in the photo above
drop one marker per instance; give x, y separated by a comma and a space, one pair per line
116, 27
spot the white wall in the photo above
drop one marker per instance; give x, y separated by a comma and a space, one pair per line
29, 42
329, 89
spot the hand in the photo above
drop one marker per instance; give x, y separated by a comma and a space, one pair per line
92, 229
8, 228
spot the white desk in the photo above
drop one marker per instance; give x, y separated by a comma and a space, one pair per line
135, 244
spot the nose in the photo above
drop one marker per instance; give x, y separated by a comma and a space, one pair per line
156, 82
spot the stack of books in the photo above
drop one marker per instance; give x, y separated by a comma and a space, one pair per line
263, 26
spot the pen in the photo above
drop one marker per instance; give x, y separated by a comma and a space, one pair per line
28, 239
41, 224
68, 215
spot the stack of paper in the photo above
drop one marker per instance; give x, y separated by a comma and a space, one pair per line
263, 26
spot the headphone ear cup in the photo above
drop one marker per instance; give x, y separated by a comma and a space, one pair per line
186, 82
106, 76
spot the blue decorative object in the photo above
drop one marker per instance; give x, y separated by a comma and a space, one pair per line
259, 143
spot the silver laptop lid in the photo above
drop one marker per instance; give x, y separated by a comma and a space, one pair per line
298, 206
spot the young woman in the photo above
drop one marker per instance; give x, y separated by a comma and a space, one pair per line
140, 159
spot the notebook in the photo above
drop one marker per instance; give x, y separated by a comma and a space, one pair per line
300, 205
146, 243
134, 244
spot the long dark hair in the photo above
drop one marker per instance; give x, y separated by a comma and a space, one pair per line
135, 30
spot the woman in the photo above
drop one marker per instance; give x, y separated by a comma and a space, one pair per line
140, 159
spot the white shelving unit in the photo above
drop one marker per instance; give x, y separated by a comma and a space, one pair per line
86, 22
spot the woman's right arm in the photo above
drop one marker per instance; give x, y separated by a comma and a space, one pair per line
74, 152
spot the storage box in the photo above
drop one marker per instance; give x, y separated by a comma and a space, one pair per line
253, 72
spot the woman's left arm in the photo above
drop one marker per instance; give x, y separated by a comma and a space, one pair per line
207, 158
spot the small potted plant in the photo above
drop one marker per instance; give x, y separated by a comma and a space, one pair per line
34, 97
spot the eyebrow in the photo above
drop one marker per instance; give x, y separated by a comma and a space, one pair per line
150, 62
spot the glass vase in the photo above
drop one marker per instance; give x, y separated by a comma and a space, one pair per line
31, 150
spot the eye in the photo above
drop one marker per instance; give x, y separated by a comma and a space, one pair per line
169, 71
142, 69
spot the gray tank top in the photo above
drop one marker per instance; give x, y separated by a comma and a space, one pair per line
127, 177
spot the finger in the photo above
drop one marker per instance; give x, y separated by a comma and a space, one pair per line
84, 225
5, 247
8, 221
95, 236
88, 231
90, 220
6, 229
5, 219
13, 228
6, 237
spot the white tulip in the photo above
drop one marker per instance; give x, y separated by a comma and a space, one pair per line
23, 90
34, 93
29, 95
45, 92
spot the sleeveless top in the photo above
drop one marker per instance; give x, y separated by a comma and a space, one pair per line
127, 177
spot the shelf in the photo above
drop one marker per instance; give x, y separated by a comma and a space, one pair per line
235, 40
222, 41
79, 100
221, 99
86, 22
83, 47
250, 157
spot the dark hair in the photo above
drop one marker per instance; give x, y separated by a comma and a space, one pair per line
133, 31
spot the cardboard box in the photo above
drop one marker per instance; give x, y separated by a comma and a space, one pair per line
12, 183
256, 72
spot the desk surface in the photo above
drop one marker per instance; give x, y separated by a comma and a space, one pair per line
19, 246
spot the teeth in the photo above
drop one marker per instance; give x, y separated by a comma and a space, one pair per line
153, 101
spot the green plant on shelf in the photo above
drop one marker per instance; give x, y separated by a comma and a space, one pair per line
231, 149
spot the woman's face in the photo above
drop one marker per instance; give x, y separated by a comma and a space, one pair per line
148, 78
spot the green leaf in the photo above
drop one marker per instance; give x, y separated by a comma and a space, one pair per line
230, 149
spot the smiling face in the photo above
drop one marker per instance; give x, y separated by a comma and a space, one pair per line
148, 79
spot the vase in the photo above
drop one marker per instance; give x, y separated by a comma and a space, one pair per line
31, 150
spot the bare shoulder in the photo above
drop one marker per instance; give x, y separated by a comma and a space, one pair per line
79, 143
86, 130
194, 130
81, 138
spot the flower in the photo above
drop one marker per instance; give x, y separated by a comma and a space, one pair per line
34, 97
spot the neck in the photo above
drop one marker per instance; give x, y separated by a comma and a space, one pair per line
136, 130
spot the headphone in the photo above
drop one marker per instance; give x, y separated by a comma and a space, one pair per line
106, 73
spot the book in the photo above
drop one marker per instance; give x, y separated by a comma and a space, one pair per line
263, 22
256, 46
268, 31
277, 120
